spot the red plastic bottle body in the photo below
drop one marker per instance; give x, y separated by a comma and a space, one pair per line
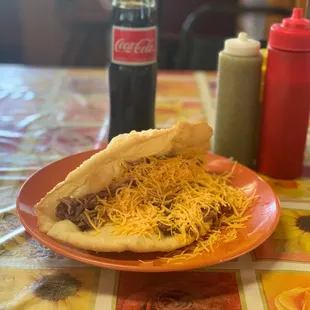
285, 114
286, 104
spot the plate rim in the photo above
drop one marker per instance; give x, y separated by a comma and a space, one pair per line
149, 268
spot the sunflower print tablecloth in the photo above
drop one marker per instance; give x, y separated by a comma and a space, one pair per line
46, 114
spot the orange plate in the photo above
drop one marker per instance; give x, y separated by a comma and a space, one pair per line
265, 216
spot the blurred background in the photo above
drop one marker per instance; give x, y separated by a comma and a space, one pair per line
76, 32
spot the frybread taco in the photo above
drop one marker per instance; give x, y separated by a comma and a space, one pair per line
147, 191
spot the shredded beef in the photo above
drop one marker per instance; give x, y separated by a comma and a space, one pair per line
227, 209
166, 156
82, 222
135, 162
165, 229
73, 208
114, 187
200, 162
209, 216
90, 201
102, 194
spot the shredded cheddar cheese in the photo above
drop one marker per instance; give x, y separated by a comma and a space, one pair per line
178, 194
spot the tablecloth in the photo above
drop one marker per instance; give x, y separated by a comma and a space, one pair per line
46, 114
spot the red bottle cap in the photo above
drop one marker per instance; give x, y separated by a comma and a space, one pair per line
293, 34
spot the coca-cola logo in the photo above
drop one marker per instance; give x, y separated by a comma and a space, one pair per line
143, 46
134, 45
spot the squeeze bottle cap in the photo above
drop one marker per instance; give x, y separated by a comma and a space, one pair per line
293, 34
242, 46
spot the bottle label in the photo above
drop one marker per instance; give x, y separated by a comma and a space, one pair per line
134, 46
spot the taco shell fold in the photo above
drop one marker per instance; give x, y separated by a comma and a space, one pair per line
98, 171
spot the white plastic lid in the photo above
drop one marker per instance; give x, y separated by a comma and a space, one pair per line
242, 46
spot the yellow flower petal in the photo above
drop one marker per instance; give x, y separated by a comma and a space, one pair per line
279, 233
289, 212
307, 296
287, 232
62, 305
292, 299
25, 303
278, 305
287, 228
77, 303
46, 305
68, 304
306, 306
304, 240
306, 300
302, 212
293, 233
289, 220
292, 246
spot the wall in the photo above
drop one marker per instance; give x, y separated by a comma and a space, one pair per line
10, 33
43, 35
46, 27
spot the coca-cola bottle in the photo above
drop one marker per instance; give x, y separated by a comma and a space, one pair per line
133, 68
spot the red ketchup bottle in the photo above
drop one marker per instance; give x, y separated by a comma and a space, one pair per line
285, 111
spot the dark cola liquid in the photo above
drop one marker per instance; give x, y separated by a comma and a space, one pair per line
132, 88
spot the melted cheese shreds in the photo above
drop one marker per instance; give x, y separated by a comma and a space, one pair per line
91, 222
178, 193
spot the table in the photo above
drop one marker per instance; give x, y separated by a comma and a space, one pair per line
46, 114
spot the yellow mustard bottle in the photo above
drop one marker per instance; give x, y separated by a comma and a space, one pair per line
237, 99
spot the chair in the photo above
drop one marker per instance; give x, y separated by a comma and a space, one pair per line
200, 52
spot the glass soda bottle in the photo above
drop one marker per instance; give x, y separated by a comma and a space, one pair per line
133, 67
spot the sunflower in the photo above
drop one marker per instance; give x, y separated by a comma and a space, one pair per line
296, 298
293, 231
286, 188
51, 290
